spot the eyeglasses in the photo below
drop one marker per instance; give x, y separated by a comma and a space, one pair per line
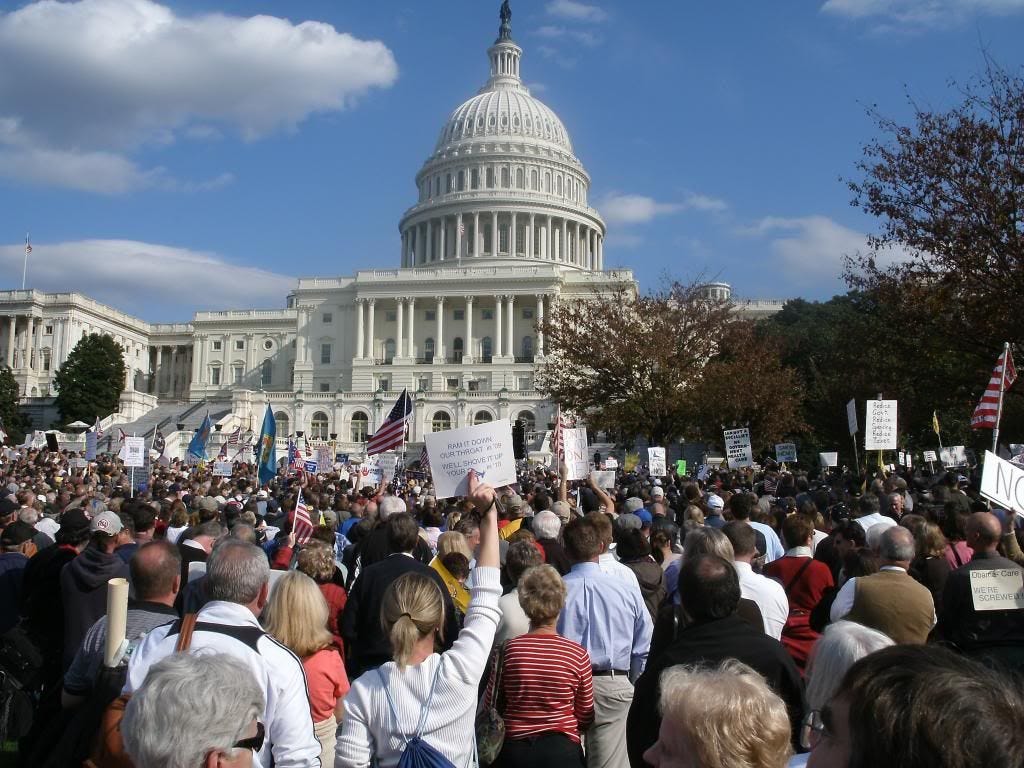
255, 743
813, 729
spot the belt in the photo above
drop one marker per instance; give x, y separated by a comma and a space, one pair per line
609, 672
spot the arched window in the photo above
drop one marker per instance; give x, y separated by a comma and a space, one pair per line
358, 429
528, 347
483, 417
490, 178
318, 427
281, 419
528, 420
389, 350
558, 185
504, 177
462, 180
485, 348
266, 373
448, 183
440, 422
457, 347
547, 181
533, 179
428, 349
474, 179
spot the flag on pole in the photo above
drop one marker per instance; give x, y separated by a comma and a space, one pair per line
121, 435
935, 423
242, 448
223, 454
392, 432
986, 415
303, 525
557, 446
235, 437
97, 429
197, 447
424, 460
28, 245
293, 454
266, 449
159, 444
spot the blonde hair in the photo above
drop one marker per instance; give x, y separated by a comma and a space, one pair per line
541, 593
453, 541
412, 609
316, 560
717, 727
930, 541
296, 614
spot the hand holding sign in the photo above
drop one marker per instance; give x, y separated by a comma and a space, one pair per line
484, 448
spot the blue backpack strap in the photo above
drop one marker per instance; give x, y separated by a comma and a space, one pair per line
430, 698
391, 704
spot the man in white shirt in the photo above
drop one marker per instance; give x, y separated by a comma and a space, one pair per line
741, 505
868, 515
237, 577
767, 593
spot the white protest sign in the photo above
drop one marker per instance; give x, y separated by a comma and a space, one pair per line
656, 461
829, 459
1002, 483
610, 463
222, 469
998, 589
953, 456
603, 479
901, 458
369, 473
910, 460
574, 445
487, 448
737, 448
785, 453
930, 456
134, 452
880, 426
80, 463
90, 446
851, 416
388, 463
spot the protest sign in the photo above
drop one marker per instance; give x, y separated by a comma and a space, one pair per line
574, 445
603, 479
1002, 483
880, 426
998, 589
486, 448
901, 458
785, 453
610, 463
80, 463
388, 463
737, 448
369, 473
930, 456
681, 467
702, 472
953, 456
829, 459
135, 452
222, 469
851, 416
341, 458
323, 457
656, 462
90, 446
311, 467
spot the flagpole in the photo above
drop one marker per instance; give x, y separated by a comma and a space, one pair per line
24, 266
1002, 388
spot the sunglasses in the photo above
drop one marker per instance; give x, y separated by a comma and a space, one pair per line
255, 743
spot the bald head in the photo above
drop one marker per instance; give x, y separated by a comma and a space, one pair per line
896, 546
983, 531
156, 571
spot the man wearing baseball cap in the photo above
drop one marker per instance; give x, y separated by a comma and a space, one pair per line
83, 582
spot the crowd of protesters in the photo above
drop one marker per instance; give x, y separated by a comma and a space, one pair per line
746, 619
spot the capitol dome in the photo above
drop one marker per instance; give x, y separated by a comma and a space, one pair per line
503, 182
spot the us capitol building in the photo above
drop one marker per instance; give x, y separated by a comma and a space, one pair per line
500, 229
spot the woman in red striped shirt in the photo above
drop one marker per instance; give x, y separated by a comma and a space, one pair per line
547, 694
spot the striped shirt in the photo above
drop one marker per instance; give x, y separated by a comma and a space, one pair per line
546, 686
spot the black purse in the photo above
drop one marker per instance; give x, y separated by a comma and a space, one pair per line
490, 725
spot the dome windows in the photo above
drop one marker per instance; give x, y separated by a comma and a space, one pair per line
519, 178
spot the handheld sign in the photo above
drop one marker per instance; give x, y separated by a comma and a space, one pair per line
830, 459
785, 453
953, 456
388, 464
222, 469
135, 452
610, 463
656, 462
930, 456
998, 589
880, 427
737, 448
311, 467
574, 444
486, 448
90, 446
851, 416
681, 467
603, 479
1002, 483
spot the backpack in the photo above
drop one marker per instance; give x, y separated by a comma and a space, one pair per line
417, 752
22, 667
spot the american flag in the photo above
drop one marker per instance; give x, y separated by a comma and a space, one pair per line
223, 451
235, 437
159, 443
424, 460
986, 415
28, 245
293, 454
242, 448
97, 428
121, 435
561, 422
392, 432
303, 525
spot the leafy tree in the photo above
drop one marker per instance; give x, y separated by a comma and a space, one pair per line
641, 365
14, 423
90, 382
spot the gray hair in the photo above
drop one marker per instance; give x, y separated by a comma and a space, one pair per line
546, 525
843, 644
236, 572
710, 541
29, 515
189, 706
390, 505
896, 544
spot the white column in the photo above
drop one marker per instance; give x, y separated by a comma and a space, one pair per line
428, 255
39, 344
476, 233
399, 351
499, 309
510, 348
563, 250
512, 237
579, 245
549, 240
600, 252
412, 315
439, 341
458, 236
530, 234
201, 368
494, 235
157, 371
468, 348
421, 248
360, 330
174, 362
442, 246
370, 341
10, 340
540, 325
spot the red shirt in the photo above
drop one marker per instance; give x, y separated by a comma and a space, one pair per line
326, 682
336, 598
546, 686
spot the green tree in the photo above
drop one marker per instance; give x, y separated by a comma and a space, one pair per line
14, 424
90, 382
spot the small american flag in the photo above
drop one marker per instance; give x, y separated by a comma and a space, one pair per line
561, 422
392, 432
293, 454
223, 451
28, 246
235, 437
303, 525
97, 428
987, 413
424, 460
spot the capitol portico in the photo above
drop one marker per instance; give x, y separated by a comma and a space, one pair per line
501, 228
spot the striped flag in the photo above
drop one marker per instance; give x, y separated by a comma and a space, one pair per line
28, 245
223, 454
303, 525
293, 454
424, 460
986, 415
97, 428
235, 437
391, 434
557, 446
242, 448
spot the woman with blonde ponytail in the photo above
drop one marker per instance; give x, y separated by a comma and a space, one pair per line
422, 692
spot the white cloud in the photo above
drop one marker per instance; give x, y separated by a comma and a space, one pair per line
640, 209
584, 36
909, 13
572, 9
88, 82
623, 240
144, 278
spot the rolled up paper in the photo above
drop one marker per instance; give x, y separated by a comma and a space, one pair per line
117, 620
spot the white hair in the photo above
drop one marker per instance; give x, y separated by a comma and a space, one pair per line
843, 644
28, 515
188, 706
546, 525
390, 505
873, 535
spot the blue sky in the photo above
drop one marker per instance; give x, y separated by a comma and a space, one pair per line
185, 155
